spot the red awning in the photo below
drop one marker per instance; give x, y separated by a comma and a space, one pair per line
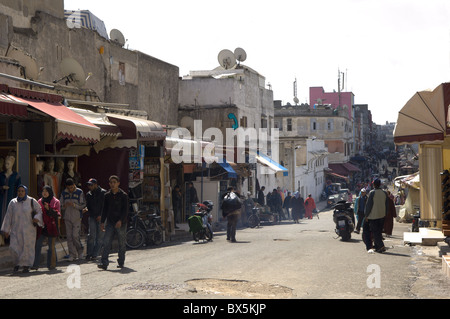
11, 107
344, 169
70, 125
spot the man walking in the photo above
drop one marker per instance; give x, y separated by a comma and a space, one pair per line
231, 209
114, 221
94, 206
360, 205
72, 203
375, 212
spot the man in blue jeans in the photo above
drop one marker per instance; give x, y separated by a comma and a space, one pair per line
114, 221
94, 207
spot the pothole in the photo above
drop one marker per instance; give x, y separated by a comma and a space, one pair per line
240, 288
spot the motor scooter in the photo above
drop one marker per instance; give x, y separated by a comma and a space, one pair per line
200, 222
343, 218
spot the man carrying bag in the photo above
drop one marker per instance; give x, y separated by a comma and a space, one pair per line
231, 209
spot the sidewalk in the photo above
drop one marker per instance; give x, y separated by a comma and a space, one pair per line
182, 234
62, 250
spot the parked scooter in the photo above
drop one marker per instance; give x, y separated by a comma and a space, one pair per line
200, 222
343, 218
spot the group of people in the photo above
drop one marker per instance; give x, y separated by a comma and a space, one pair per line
29, 221
375, 214
294, 206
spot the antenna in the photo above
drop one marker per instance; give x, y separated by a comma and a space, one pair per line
240, 55
227, 59
296, 100
72, 72
117, 37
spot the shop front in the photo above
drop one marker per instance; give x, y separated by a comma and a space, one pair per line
424, 121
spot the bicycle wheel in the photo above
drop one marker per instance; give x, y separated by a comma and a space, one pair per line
253, 221
157, 237
134, 238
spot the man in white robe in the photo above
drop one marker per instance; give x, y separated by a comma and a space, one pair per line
18, 225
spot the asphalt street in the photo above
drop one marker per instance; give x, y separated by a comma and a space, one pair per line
284, 261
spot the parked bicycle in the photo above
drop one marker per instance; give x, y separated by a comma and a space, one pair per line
141, 231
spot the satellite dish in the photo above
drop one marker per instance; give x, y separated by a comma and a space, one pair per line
117, 36
27, 62
227, 60
296, 100
240, 54
188, 123
72, 72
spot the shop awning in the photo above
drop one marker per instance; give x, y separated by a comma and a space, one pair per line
337, 175
69, 124
267, 161
344, 169
107, 128
423, 118
231, 172
144, 130
10, 107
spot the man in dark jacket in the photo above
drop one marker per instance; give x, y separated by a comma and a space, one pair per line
94, 207
261, 196
115, 214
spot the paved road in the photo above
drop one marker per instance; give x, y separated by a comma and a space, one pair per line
303, 260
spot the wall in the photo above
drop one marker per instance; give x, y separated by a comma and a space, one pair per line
346, 98
149, 84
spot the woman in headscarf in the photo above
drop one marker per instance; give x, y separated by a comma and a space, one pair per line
51, 208
22, 217
298, 207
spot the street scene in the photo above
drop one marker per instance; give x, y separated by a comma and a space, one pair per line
124, 175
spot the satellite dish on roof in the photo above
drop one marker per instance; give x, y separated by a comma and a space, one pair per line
72, 72
240, 54
28, 63
227, 60
117, 37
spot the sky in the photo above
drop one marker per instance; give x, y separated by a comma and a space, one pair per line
387, 49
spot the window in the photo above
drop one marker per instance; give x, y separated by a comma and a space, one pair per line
289, 125
244, 121
330, 125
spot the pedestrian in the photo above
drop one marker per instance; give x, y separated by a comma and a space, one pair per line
390, 215
114, 221
359, 207
287, 204
192, 197
73, 202
22, 217
298, 207
277, 203
177, 203
51, 213
231, 210
261, 199
95, 198
310, 205
375, 212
